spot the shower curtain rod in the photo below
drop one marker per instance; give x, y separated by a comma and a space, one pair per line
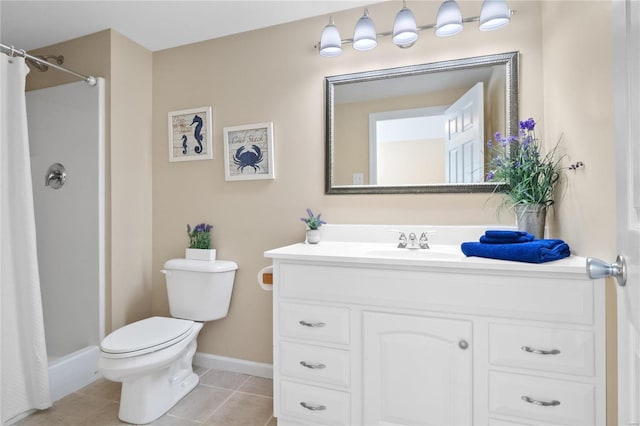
89, 79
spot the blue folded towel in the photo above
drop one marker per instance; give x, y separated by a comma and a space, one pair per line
537, 251
505, 237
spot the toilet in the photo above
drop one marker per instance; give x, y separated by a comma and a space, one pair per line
152, 357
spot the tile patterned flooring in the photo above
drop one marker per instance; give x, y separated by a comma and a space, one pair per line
222, 398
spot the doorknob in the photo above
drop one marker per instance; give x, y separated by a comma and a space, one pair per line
597, 268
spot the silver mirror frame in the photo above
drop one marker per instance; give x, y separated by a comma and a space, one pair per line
509, 60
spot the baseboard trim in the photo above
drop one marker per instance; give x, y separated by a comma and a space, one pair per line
233, 364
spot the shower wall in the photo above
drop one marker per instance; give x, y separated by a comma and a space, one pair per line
66, 125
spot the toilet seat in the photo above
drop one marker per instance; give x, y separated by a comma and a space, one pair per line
145, 336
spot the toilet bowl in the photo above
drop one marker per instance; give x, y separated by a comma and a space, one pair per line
153, 357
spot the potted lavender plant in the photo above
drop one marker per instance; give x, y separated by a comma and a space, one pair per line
313, 226
200, 243
530, 176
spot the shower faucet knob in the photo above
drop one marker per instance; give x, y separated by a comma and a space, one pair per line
56, 176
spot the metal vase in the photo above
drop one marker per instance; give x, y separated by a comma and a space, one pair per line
313, 236
531, 218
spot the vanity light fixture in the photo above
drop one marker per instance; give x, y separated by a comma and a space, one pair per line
405, 31
449, 20
330, 43
494, 14
364, 35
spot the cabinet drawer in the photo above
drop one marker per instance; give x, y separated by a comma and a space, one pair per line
314, 404
549, 400
322, 365
313, 322
539, 348
503, 295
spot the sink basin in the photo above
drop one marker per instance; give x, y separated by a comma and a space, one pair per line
434, 253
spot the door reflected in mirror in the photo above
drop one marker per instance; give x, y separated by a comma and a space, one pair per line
421, 128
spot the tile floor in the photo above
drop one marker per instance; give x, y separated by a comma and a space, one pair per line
222, 398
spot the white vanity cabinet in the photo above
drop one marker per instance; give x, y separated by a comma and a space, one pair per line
361, 341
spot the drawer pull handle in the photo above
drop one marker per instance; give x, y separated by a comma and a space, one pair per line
540, 351
312, 324
313, 366
551, 403
313, 407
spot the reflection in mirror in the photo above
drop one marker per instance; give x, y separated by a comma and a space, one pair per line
421, 128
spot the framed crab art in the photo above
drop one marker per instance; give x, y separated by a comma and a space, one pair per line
248, 152
190, 135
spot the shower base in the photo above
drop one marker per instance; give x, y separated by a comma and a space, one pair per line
71, 372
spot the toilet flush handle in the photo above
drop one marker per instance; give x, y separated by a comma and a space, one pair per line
164, 271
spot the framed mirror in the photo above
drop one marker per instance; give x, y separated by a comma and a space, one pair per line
420, 128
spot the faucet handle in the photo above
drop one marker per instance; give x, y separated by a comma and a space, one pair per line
413, 241
424, 241
402, 241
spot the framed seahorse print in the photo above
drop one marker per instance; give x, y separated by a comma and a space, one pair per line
190, 134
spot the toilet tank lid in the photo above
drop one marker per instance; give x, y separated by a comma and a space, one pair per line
200, 265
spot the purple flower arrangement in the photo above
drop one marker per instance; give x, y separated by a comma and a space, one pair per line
530, 176
199, 236
312, 221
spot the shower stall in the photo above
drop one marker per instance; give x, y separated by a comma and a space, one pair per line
66, 128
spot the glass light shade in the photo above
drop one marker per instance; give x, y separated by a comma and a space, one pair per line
364, 36
494, 14
330, 41
449, 20
405, 32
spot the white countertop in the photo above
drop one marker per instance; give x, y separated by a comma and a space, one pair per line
437, 257
376, 245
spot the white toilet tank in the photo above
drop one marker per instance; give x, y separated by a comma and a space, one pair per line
199, 290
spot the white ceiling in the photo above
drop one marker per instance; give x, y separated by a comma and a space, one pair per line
156, 25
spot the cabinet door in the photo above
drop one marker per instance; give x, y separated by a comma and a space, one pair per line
416, 370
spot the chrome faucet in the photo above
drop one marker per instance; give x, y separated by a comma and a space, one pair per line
413, 241
424, 241
402, 241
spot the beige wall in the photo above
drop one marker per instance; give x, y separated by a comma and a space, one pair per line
126, 67
578, 84
578, 93
86, 55
131, 143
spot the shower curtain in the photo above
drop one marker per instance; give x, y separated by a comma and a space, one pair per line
23, 357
